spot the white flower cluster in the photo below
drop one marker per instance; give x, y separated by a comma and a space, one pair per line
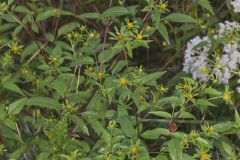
236, 6
202, 63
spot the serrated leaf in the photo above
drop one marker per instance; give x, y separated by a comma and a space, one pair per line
43, 102
17, 106
155, 133
80, 123
179, 17
186, 115
212, 91
207, 5
163, 31
115, 11
22, 9
9, 18
175, 150
82, 60
67, 28
151, 77
45, 14
91, 15
204, 102
126, 125
161, 114
12, 86
223, 127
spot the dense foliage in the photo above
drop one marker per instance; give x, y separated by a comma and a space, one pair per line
119, 80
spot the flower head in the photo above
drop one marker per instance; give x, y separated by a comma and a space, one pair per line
134, 150
163, 5
227, 96
139, 37
162, 89
130, 25
100, 75
120, 37
123, 81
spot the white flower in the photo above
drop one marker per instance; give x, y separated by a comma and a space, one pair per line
200, 60
236, 6
238, 89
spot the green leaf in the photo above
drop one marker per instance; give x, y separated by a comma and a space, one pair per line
179, 17
115, 11
119, 66
9, 18
82, 60
186, 115
155, 133
17, 106
163, 31
45, 14
60, 86
175, 150
43, 102
151, 77
237, 118
22, 9
80, 123
204, 102
212, 91
67, 28
126, 126
224, 126
91, 15
206, 4
7, 26
12, 87
161, 114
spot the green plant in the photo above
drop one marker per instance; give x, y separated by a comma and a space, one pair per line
72, 87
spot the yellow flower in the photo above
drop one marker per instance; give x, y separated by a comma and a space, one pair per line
122, 81
69, 35
76, 35
90, 69
15, 49
134, 150
112, 124
120, 37
203, 155
100, 75
162, 89
91, 35
211, 129
50, 136
139, 37
119, 152
24, 71
212, 31
189, 96
185, 86
204, 70
130, 25
142, 98
164, 44
69, 106
148, 27
14, 38
54, 59
82, 28
231, 39
227, 96
163, 5
218, 65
